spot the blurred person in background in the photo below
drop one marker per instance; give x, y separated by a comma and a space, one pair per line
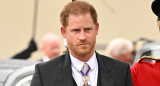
121, 49
50, 46
138, 44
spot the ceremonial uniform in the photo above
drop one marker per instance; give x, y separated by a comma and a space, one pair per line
146, 73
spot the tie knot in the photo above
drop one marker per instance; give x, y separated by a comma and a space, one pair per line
85, 68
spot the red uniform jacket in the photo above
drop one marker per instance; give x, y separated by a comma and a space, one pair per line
146, 73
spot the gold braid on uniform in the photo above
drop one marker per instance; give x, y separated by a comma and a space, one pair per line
147, 57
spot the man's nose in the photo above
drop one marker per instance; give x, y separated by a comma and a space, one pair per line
82, 36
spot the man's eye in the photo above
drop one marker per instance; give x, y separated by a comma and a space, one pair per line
76, 30
87, 29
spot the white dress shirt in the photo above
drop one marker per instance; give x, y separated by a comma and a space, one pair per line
46, 58
77, 66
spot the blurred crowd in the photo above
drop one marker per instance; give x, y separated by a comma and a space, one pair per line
118, 48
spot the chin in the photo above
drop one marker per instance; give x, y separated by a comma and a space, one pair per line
83, 52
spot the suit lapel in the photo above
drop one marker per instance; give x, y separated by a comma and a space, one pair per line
106, 73
65, 75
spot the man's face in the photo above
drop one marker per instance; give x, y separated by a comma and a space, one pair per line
80, 34
52, 49
126, 57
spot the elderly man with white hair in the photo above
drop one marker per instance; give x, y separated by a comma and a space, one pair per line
121, 49
50, 46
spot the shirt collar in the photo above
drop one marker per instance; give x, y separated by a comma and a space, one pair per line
79, 64
46, 58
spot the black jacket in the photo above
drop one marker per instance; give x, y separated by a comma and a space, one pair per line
58, 72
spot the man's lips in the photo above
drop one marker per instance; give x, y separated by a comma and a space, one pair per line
83, 44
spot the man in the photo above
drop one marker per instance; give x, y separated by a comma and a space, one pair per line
50, 46
146, 73
81, 65
121, 49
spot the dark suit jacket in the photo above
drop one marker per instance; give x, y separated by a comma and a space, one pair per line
58, 72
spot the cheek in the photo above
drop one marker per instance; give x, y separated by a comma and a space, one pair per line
71, 37
92, 37
71, 40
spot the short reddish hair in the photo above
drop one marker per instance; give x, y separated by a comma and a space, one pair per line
76, 8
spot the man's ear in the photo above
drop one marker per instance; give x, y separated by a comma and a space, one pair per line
63, 32
97, 28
